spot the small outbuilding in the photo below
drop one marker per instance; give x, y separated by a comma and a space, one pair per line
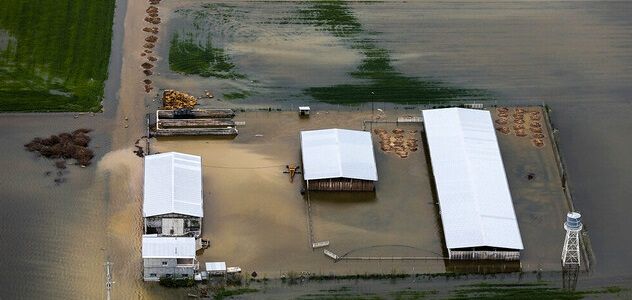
338, 160
303, 111
173, 202
170, 257
477, 212
216, 268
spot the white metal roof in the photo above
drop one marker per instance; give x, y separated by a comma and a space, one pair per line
303, 108
333, 153
216, 266
474, 197
168, 247
173, 184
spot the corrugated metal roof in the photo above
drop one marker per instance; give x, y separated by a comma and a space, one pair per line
216, 266
173, 184
474, 197
333, 153
168, 247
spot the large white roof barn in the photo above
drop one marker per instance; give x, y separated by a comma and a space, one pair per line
168, 247
173, 185
477, 212
338, 157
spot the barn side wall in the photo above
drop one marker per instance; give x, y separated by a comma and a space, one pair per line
341, 184
484, 255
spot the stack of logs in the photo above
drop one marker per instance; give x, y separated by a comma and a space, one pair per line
523, 123
172, 99
396, 142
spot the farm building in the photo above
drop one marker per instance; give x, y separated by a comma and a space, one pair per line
475, 203
338, 160
173, 201
172, 257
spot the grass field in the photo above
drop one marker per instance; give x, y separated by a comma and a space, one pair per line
54, 54
189, 57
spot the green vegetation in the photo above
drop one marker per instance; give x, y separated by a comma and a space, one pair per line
237, 95
176, 282
190, 57
527, 291
381, 81
225, 293
333, 16
411, 294
54, 54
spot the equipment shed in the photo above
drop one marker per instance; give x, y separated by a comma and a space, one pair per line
338, 160
477, 213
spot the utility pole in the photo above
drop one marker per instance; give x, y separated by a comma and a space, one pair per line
108, 281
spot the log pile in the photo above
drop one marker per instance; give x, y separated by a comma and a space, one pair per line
172, 99
398, 141
522, 122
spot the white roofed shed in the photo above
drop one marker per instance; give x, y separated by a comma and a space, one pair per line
168, 247
479, 221
173, 184
333, 153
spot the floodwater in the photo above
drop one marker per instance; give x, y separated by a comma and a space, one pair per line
574, 55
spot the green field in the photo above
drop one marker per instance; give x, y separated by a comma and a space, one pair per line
190, 57
54, 54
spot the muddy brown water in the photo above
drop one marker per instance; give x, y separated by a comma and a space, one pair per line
575, 56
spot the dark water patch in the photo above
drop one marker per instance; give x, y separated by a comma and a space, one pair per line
54, 45
191, 57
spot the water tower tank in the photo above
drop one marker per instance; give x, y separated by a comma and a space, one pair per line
574, 221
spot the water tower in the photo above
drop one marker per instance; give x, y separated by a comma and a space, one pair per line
570, 252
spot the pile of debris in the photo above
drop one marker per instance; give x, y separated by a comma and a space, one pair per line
172, 99
397, 142
64, 146
521, 124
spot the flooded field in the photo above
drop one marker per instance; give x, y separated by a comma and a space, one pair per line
256, 219
573, 55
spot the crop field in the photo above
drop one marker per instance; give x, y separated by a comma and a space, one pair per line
54, 54
306, 51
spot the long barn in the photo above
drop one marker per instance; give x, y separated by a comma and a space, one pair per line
338, 160
475, 203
